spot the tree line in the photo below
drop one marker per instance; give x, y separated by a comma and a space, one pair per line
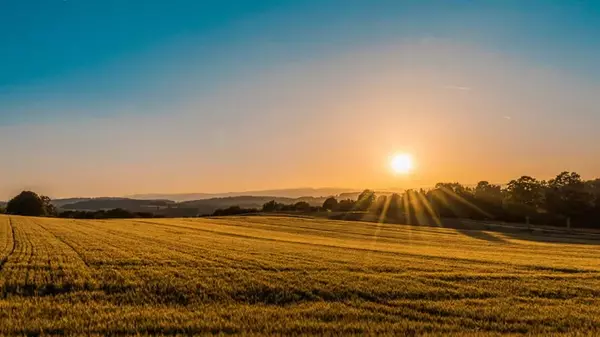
566, 200
271, 206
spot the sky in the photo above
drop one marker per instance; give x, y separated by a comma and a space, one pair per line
111, 98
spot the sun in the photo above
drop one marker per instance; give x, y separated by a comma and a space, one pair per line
401, 163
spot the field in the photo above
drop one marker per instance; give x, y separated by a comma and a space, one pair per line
285, 275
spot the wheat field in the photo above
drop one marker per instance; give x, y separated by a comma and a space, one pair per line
290, 275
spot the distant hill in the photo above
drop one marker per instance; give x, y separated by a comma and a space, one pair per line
186, 208
94, 204
61, 202
281, 193
174, 197
206, 206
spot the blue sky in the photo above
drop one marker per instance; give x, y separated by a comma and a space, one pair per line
95, 66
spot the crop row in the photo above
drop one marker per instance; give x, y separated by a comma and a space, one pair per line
288, 275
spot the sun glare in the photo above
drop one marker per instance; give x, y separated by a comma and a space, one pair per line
402, 163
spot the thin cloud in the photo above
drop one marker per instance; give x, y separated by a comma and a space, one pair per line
507, 117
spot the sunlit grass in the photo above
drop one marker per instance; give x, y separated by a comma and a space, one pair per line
280, 275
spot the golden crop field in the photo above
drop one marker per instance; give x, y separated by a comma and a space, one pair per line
285, 275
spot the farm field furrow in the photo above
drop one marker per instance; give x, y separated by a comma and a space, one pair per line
6, 240
286, 275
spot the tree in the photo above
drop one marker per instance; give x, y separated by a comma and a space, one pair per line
346, 205
394, 206
119, 213
489, 197
454, 200
330, 204
593, 188
380, 204
567, 196
486, 191
271, 206
234, 210
49, 209
28, 203
526, 191
365, 200
524, 200
455, 188
302, 206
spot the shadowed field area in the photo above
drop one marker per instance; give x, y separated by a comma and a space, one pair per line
284, 275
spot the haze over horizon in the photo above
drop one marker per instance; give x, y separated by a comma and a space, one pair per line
111, 98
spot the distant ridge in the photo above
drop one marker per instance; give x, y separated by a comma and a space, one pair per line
280, 193
185, 208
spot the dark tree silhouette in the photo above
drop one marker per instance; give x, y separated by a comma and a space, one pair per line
489, 198
49, 209
489, 192
527, 191
593, 187
330, 204
234, 210
302, 206
29, 203
365, 200
566, 195
380, 204
455, 200
271, 206
394, 206
346, 205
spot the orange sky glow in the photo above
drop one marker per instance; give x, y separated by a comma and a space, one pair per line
464, 114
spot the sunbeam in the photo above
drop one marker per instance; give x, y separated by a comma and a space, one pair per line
465, 202
429, 208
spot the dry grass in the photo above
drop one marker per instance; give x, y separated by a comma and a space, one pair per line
278, 275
